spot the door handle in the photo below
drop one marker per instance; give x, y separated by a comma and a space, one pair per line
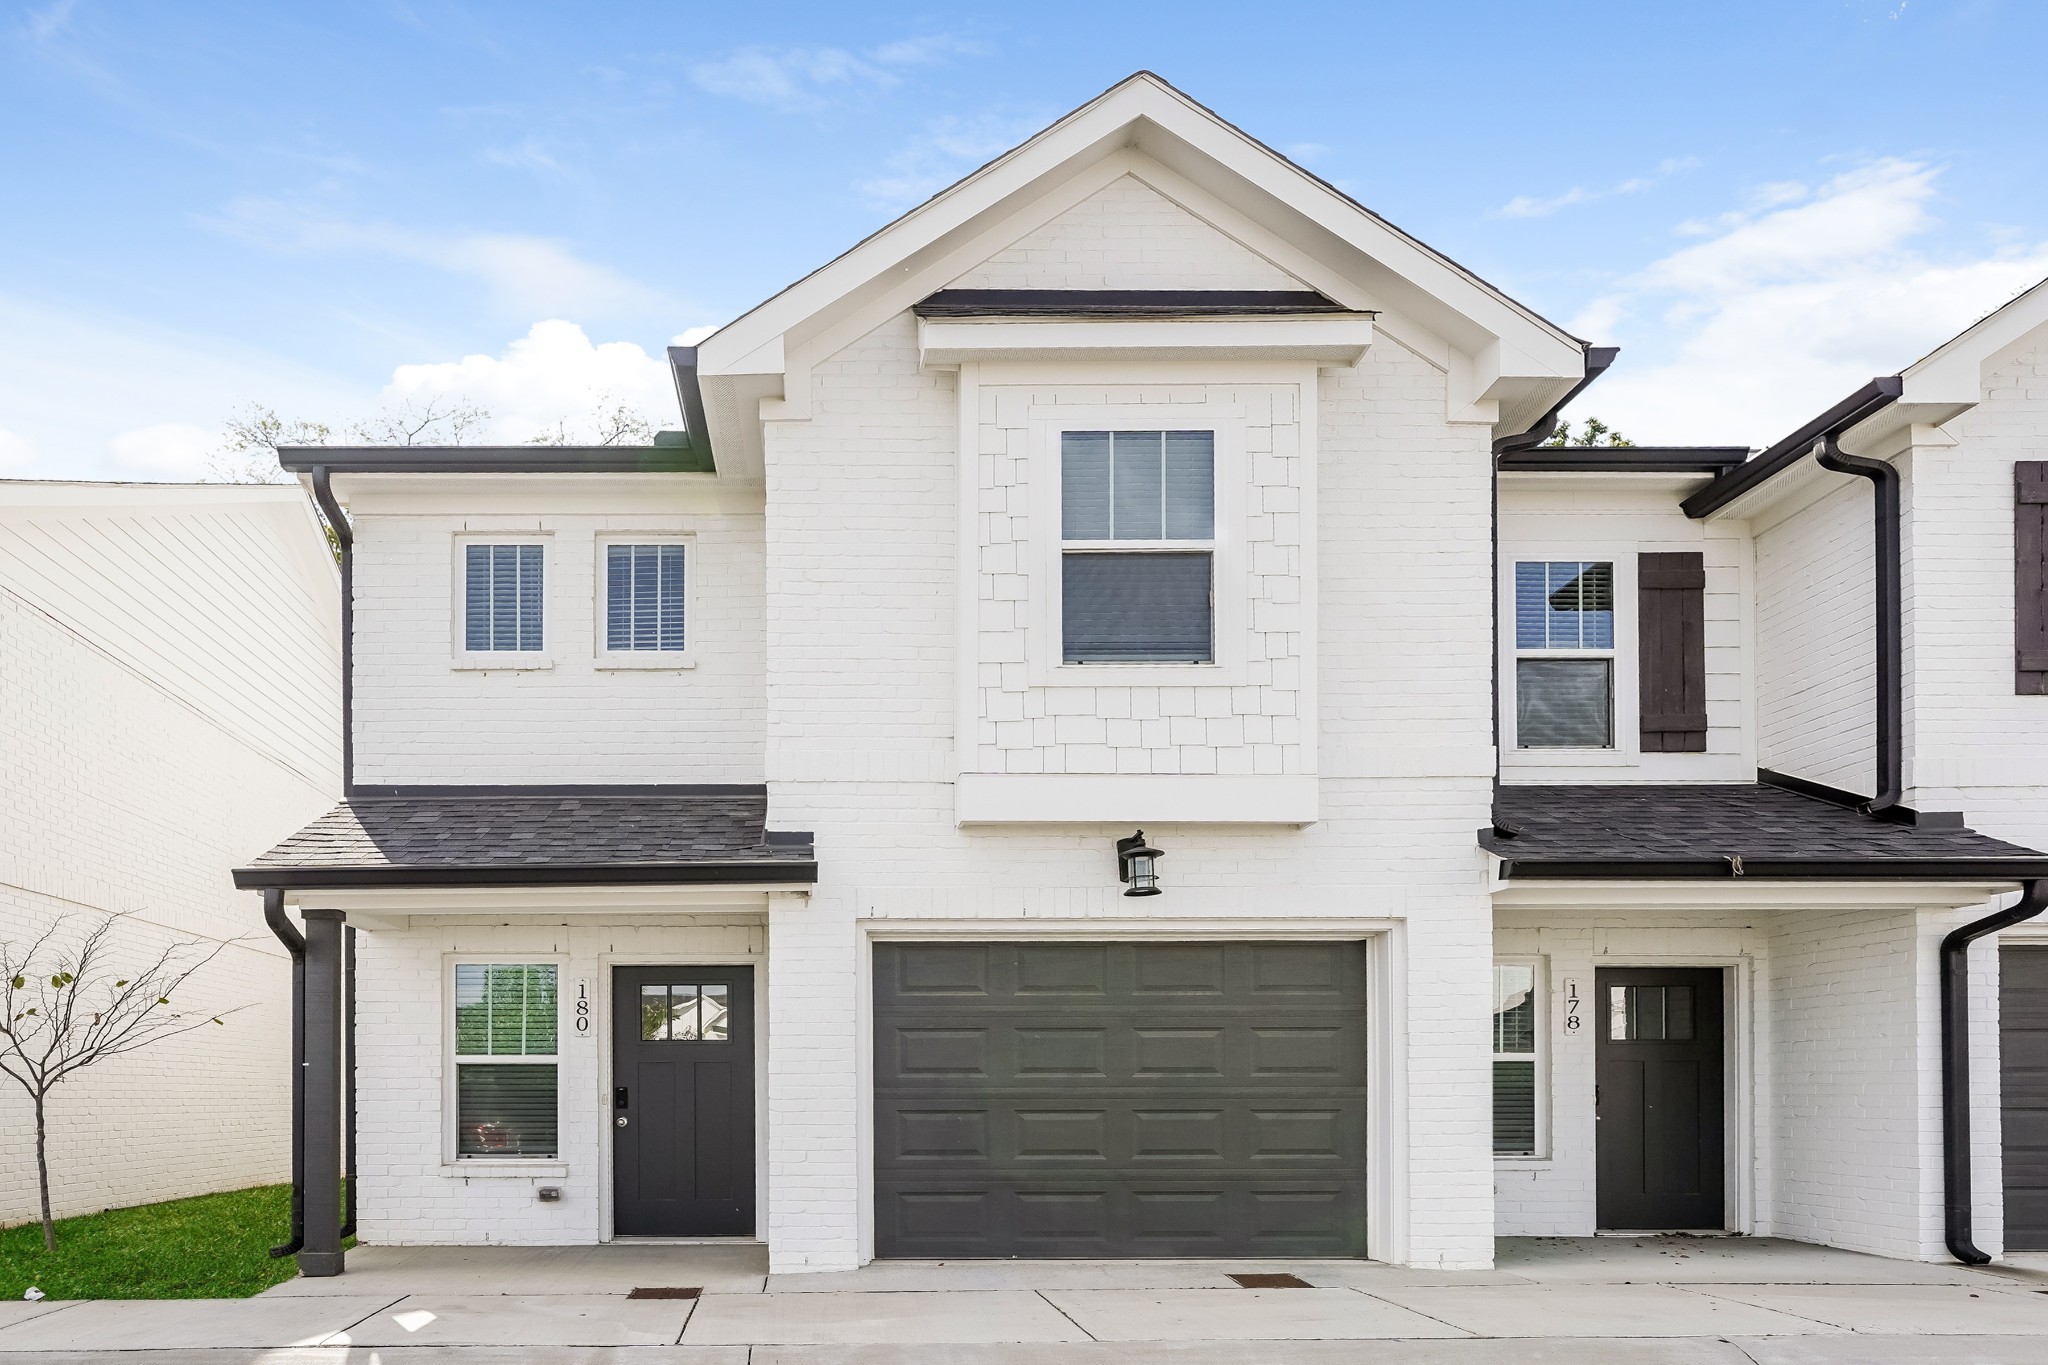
619, 1098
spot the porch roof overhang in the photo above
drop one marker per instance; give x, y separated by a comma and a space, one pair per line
443, 837
1756, 831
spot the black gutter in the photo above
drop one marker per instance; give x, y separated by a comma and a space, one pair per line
1714, 460
1835, 796
1959, 1217
593, 791
1731, 867
1890, 617
682, 366
1872, 398
1598, 358
1125, 303
654, 459
790, 871
294, 943
344, 537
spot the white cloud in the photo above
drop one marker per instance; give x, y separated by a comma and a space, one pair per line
163, 450
525, 275
553, 374
1777, 313
947, 149
799, 79
47, 21
1532, 206
17, 452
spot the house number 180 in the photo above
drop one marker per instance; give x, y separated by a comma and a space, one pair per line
583, 1008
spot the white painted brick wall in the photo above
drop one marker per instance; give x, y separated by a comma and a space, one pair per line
116, 796
412, 1193
1254, 727
1814, 650
1127, 236
862, 559
1546, 517
420, 720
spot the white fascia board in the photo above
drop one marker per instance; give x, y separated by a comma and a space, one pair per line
1741, 893
369, 907
1329, 340
1189, 140
530, 494
1953, 373
1134, 799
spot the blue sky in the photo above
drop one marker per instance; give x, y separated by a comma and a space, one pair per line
331, 207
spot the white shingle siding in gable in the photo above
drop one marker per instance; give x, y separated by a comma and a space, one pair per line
1177, 726
1127, 236
1814, 661
419, 720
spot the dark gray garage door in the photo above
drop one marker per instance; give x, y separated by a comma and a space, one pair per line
2023, 1052
1120, 1099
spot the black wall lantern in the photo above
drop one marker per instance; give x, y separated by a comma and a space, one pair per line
1137, 863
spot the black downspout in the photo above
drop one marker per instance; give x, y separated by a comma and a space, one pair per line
294, 943
1891, 629
344, 538
1959, 1216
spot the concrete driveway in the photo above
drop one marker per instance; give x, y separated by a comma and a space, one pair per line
1588, 1301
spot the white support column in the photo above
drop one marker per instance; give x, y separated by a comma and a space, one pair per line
814, 1039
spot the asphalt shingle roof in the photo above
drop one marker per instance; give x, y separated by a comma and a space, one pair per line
1700, 829
621, 837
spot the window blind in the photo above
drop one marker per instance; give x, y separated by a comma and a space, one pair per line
1142, 608
644, 597
502, 597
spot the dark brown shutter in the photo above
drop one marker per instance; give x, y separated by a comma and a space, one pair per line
2030, 576
1671, 636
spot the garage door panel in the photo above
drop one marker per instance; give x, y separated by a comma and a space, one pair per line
2023, 1076
1120, 1099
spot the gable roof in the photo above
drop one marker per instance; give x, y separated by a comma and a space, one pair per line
1508, 364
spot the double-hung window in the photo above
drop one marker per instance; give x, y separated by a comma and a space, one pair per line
644, 602
1564, 655
506, 1063
1138, 546
1516, 1036
501, 598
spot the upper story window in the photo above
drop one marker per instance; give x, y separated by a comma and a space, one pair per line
501, 598
1564, 655
644, 597
1138, 539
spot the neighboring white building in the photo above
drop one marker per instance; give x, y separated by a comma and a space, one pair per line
736, 825
169, 697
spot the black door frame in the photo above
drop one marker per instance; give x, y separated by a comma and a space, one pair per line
601, 1014
1738, 1116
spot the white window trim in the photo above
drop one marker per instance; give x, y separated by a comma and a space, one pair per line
493, 660
1540, 993
1627, 702
643, 659
515, 1165
1230, 590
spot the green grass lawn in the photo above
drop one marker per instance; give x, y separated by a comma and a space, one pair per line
213, 1247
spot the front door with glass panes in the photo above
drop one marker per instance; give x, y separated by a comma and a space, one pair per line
1658, 1098
683, 1101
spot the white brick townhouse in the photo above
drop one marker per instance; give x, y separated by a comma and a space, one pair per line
1108, 696
170, 700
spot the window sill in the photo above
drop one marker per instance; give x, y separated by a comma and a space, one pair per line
1520, 1159
507, 1169
486, 661
652, 660
1141, 675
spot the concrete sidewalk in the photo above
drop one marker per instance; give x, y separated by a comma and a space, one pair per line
1590, 1301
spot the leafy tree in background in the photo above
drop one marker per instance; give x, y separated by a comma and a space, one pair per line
1594, 433
63, 1010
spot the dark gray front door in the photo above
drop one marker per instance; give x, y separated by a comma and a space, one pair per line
1658, 1097
1120, 1099
683, 1101
2023, 1072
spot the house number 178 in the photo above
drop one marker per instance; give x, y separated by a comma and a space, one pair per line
1571, 1007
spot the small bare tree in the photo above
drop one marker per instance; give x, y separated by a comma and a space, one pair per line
613, 422
63, 1011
